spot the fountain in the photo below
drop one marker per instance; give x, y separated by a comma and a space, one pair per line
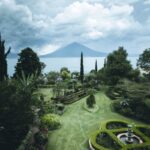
129, 137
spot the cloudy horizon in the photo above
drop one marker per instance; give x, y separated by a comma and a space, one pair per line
102, 25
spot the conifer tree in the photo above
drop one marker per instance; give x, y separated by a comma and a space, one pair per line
3, 61
81, 68
96, 68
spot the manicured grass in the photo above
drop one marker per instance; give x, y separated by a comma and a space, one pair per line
78, 124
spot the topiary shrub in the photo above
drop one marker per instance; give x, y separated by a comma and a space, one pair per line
90, 101
50, 121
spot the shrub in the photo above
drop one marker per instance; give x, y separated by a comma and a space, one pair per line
146, 131
40, 138
50, 121
116, 125
90, 101
106, 141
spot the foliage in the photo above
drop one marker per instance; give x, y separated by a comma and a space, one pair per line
117, 66
65, 75
28, 62
144, 130
116, 125
64, 69
106, 138
17, 115
136, 110
81, 69
134, 75
52, 77
75, 75
50, 121
26, 141
144, 60
3, 62
40, 138
96, 67
46, 107
90, 101
106, 141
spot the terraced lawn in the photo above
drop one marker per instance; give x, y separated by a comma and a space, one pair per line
78, 124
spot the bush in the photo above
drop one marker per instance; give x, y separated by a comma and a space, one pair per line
106, 141
50, 121
40, 138
146, 131
90, 101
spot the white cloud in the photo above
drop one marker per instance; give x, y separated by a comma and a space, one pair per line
37, 23
49, 48
94, 20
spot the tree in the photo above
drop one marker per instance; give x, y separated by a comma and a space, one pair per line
52, 77
144, 60
117, 66
29, 63
17, 99
64, 69
65, 73
90, 101
96, 68
134, 75
3, 61
81, 68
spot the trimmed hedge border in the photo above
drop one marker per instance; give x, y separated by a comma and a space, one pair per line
113, 132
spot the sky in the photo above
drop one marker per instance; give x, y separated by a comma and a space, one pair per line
103, 25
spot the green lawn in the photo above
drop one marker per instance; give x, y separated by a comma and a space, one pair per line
78, 124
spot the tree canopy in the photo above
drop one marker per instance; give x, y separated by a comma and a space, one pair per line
81, 68
117, 66
28, 63
144, 60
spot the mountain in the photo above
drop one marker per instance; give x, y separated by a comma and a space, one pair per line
74, 50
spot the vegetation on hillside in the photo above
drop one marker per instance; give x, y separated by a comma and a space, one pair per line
24, 106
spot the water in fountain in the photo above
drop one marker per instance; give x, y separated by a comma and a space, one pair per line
129, 137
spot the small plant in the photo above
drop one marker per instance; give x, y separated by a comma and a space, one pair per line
50, 121
90, 101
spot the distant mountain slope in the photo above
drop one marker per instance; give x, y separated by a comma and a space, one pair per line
74, 50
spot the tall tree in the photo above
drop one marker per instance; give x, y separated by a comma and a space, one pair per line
17, 100
117, 66
144, 60
81, 68
28, 63
96, 68
3, 61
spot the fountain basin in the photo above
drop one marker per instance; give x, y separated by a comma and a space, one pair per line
123, 137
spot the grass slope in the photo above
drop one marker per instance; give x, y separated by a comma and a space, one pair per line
78, 124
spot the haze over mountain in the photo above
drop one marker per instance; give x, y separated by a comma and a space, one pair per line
74, 50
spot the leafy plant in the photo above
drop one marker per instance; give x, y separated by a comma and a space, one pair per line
50, 121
